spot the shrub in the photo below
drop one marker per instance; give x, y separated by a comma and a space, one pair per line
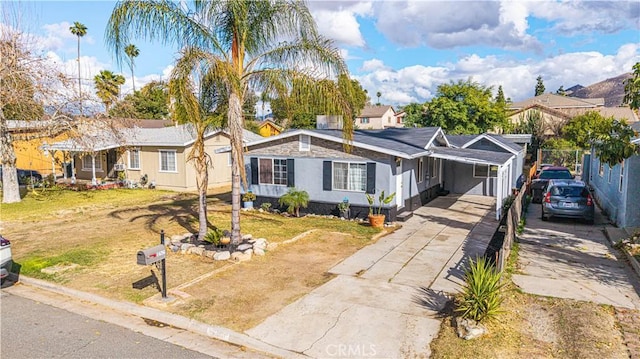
293, 200
266, 206
381, 201
248, 197
213, 236
481, 296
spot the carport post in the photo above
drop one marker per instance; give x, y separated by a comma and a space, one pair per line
164, 268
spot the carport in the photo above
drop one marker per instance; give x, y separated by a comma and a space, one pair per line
472, 179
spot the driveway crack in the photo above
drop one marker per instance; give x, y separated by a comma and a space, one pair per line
328, 329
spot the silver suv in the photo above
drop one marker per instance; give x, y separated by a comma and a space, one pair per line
567, 198
6, 260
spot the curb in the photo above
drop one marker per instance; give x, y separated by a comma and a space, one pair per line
210, 331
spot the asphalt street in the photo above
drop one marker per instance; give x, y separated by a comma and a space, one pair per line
32, 329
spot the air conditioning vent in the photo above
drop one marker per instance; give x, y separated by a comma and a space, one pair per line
119, 167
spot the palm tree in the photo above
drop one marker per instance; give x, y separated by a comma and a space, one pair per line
239, 46
132, 51
79, 30
378, 94
108, 87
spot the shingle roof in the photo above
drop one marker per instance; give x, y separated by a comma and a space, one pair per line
460, 140
374, 111
615, 112
557, 102
468, 155
411, 141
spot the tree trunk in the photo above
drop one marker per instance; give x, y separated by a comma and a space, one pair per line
10, 187
235, 133
201, 164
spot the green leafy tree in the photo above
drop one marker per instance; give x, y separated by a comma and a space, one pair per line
415, 114
561, 91
353, 93
464, 107
539, 86
614, 145
583, 129
500, 100
632, 89
151, 102
108, 87
79, 30
294, 199
237, 45
132, 52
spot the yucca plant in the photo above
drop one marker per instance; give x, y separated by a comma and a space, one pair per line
294, 199
481, 297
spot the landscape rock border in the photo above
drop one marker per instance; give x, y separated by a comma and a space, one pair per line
247, 248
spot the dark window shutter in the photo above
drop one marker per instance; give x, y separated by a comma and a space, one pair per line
254, 170
371, 177
291, 173
326, 176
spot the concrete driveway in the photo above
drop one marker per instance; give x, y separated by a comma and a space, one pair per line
570, 259
385, 299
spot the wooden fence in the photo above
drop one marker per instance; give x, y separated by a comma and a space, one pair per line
500, 245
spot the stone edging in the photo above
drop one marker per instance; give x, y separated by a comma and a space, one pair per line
635, 265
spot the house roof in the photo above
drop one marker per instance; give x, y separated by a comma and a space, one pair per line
468, 155
270, 122
615, 112
464, 141
558, 101
172, 136
374, 111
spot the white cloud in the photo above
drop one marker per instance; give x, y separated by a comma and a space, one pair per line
372, 65
589, 16
58, 37
338, 20
419, 83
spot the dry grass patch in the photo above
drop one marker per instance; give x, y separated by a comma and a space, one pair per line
247, 293
538, 327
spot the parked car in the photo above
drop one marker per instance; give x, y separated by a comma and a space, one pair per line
26, 176
548, 173
6, 260
567, 198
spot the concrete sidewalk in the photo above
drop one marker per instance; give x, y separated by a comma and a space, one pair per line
385, 300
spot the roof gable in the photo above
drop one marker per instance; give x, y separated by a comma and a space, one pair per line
558, 101
375, 111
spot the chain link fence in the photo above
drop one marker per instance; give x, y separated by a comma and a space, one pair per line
572, 159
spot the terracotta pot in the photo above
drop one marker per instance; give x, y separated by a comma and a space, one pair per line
376, 220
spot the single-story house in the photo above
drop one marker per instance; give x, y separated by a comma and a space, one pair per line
617, 188
160, 154
268, 128
378, 117
417, 164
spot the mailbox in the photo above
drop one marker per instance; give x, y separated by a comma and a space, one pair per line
151, 255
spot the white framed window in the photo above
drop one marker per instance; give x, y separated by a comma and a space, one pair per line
420, 170
168, 161
364, 120
272, 171
134, 159
304, 143
601, 169
350, 176
432, 167
621, 176
485, 171
609, 174
229, 160
86, 163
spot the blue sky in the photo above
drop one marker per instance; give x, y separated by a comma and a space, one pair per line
405, 49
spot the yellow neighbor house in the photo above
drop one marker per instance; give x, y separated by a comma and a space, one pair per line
269, 128
28, 150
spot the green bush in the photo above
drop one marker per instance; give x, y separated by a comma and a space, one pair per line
481, 296
266, 206
213, 236
293, 200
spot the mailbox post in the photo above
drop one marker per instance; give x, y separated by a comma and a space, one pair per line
156, 255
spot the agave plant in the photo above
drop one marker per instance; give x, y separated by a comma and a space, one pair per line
480, 298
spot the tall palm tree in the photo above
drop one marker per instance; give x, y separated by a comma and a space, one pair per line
108, 87
378, 94
79, 30
241, 46
132, 52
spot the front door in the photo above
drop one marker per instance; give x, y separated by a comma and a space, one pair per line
399, 197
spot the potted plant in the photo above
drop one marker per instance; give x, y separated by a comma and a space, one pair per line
376, 218
248, 199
